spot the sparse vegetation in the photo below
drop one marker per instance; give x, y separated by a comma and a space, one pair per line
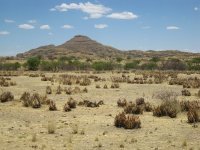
127, 121
52, 106
167, 108
6, 97
51, 127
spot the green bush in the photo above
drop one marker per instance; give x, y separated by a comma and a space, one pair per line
46, 66
196, 60
132, 65
155, 59
33, 63
100, 65
61, 65
194, 64
119, 59
149, 66
10, 66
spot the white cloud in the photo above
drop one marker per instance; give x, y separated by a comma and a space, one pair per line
172, 28
93, 10
9, 21
123, 15
26, 26
196, 8
66, 26
32, 21
45, 27
4, 32
100, 26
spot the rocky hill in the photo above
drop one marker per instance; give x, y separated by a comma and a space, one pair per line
84, 47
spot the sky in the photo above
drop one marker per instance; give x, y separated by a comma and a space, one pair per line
123, 24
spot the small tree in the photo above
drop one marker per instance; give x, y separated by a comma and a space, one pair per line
119, 59
173, 64
100, 65
149, 66
155, 59
33, 63
132, 65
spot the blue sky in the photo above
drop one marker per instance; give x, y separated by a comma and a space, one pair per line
126, 25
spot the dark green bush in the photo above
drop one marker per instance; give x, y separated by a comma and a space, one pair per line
149, 66
10, 66
100, 65
132, 65
33, 63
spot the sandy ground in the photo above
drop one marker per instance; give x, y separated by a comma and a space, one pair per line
26, 128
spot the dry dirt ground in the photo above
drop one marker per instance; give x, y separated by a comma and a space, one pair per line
24, 128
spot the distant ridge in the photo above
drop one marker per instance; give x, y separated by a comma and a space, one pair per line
84, 47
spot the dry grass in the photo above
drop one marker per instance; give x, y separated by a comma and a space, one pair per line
127, 121
51, 127
167, 108
52, 106
18, 123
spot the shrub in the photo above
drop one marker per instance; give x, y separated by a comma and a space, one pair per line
35, 100
193, 115
140, 101
33, 63
167, 108
72, 103
155, 59
119, 59
100, 66
187, 105
25, 98
68, 91
148, 107
52, 106
173, 64
59, 90
132, 65
114, 85
127, 122
10, 66
98, 86
149, 66
122, 102
85, 82
85, 90
105, 87
194, 64
6, 96
88, 103
76, 90
48, 90
120, 120
46, 66
66, 108
131, 108
186, 92
132, 122
167, 95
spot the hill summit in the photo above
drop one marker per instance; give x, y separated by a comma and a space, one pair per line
79, 45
